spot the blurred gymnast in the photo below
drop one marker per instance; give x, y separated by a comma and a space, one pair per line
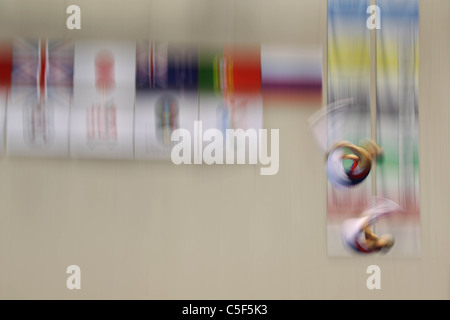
357, 234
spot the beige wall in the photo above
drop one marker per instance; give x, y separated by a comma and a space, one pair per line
157, 231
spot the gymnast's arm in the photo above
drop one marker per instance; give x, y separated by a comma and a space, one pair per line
369, 234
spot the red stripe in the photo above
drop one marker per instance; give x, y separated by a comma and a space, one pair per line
360, 247
5, 64
43, 68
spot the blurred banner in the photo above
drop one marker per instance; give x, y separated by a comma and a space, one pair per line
39, 103
101, 120
124, 99
157, 114
349, 81
349, 120
397, 119
292, 73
